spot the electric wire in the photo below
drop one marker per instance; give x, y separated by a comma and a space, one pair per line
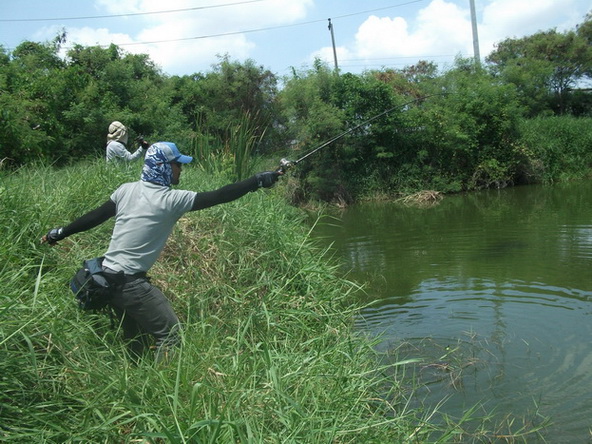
169, 11
130, 14
208, 36
269, 28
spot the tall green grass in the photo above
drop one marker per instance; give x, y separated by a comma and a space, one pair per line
231, 155
267, 355
559, 148
268, 352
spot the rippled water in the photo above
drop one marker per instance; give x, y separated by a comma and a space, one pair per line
492, 291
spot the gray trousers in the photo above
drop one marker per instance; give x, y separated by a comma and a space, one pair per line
145, 313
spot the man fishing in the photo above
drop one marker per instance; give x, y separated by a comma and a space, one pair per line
145, 214
116, 144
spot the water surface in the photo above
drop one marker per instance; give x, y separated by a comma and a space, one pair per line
492, 291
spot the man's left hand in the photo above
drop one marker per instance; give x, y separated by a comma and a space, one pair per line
267, 179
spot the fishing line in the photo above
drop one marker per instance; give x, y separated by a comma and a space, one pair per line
285, 164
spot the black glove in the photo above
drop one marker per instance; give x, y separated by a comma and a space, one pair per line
266, 179
145, 145
54, 235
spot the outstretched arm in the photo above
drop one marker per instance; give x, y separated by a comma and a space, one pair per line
235, 190
83, 223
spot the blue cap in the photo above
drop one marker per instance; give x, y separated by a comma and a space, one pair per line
172, 153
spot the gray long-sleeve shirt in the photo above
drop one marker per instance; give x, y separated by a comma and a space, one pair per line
144, 216
116, 151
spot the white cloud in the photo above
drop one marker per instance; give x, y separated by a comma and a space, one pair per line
96, 36
118, 6
382, 36
443, 28
326, 54
86, 36
198, 54
514, 19
176, 40
217, 14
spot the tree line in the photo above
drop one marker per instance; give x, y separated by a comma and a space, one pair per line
467, 127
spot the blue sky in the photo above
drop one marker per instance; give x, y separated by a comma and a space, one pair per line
187, 36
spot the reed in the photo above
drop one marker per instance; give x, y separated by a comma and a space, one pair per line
231, 154
426, 198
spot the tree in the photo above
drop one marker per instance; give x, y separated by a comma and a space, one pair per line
584, 31
58, 109
110, 84
31, 100
468, 135
220, 99
364, 109
544, 66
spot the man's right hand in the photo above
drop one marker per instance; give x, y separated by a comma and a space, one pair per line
145, 145
53, 236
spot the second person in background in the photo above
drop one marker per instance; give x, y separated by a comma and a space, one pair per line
116, 144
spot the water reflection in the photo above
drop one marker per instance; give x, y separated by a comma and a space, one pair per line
576, 241
504, 278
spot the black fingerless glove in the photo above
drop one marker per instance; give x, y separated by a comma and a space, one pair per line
266, 179
54, 235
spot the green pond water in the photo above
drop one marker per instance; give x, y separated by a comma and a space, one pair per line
492, 292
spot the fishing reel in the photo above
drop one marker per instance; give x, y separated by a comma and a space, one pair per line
285, 165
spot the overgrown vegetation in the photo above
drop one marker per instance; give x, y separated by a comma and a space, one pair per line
463, 129
556, 148
268, 353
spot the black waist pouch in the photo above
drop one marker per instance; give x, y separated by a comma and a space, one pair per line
90, 285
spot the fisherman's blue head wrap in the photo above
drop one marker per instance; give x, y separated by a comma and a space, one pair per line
157, 163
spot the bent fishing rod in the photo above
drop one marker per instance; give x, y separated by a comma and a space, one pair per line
286, 164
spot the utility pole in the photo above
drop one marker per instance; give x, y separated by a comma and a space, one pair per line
334, 50
476, 53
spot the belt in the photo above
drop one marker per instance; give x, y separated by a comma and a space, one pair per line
132, 277
122, 278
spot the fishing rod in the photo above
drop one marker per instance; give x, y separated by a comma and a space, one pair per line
286, 164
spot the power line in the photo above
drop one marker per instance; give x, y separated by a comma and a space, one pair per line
131, 14
223, 34
270, 28
134, 14
379, 9
248, 31
400, 57
392, 61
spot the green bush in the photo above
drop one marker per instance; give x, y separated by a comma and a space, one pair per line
560, 147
